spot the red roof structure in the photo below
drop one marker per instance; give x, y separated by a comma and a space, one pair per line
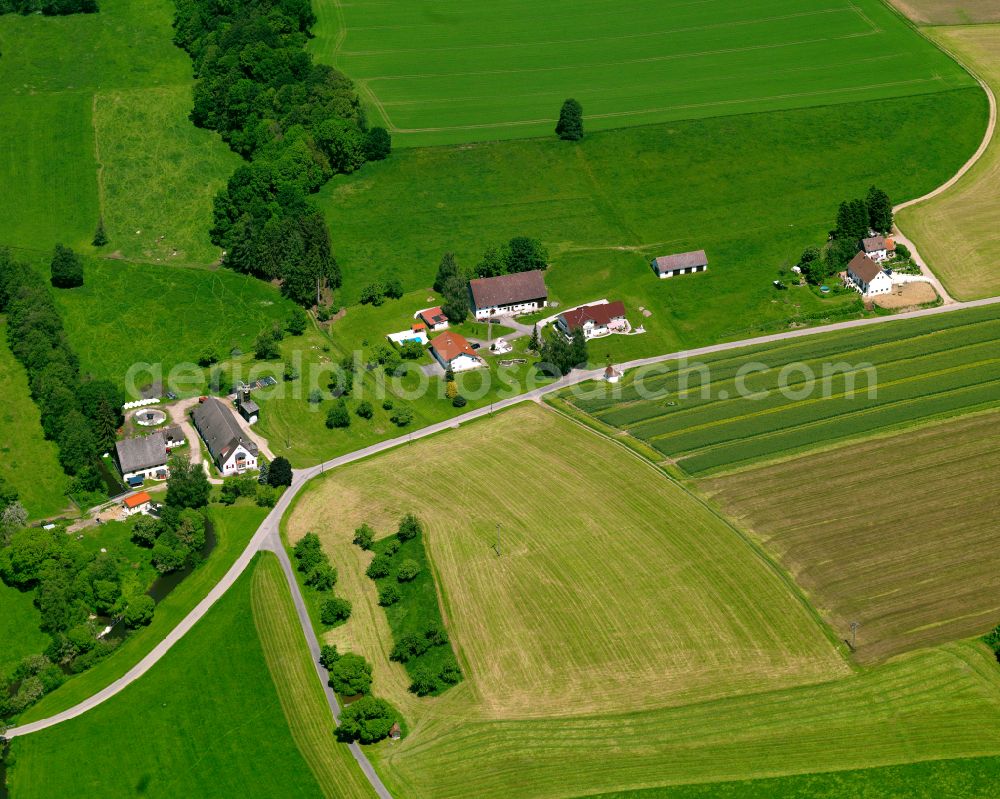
433, 317
136, 500
600, 315
449, 346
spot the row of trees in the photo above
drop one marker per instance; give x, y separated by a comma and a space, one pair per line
368, 719
81, 415
314, 564
855, 218
520, 254
559, 356
50, 8
296, 122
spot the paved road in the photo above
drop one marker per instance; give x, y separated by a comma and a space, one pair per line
267, 533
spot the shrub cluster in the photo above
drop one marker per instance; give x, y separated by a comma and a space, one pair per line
368, 719
80, 415
560, 357
176, 537
314, 564
992, 640
296, 122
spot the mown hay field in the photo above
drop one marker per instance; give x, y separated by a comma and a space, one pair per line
956, 231
461, 72
898, 534
767, 402
616, 590
940, 703
299, 691
949, 12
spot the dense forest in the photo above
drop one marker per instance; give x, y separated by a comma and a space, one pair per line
297, 123
80, 415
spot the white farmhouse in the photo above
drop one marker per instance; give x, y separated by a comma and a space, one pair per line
231, 449
868, 276
597, 320
454, 352
142, 458
878, 248
508, 295
684, 263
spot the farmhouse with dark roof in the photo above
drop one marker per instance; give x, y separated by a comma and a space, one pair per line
233, 451
508, 295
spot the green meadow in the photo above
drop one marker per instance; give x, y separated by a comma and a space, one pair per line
457, 72
93, 113
206, 721
19, 631
128, 313
27, 460
752, 190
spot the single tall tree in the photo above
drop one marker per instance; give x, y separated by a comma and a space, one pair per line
447, 269
879, 210
67, 268
187, 486
570, 125
100, 237
280, 473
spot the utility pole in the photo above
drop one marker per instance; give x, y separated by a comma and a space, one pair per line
854, 634
498, 539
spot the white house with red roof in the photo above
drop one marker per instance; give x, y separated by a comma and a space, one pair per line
454, 352
433, 318
878, 248
601, 319
136, 503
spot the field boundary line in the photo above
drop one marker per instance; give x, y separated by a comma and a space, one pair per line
754, 546
97, 157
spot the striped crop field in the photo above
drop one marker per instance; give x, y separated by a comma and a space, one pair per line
762, 403
461, 72
898, 534
616, 590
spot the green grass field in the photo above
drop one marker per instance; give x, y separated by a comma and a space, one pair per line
913, 562
956, 232
752, 190
615, 590
299, 690
457, 73
234, 527
965, 778
19, 619
206, 721
27, 460
147, 313
94, 112
750, 405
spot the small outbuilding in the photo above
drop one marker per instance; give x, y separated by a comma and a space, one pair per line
395, 731
612, 375
137, 503
681, 264
434, 318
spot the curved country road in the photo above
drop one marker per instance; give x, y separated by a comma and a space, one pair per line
991, 126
